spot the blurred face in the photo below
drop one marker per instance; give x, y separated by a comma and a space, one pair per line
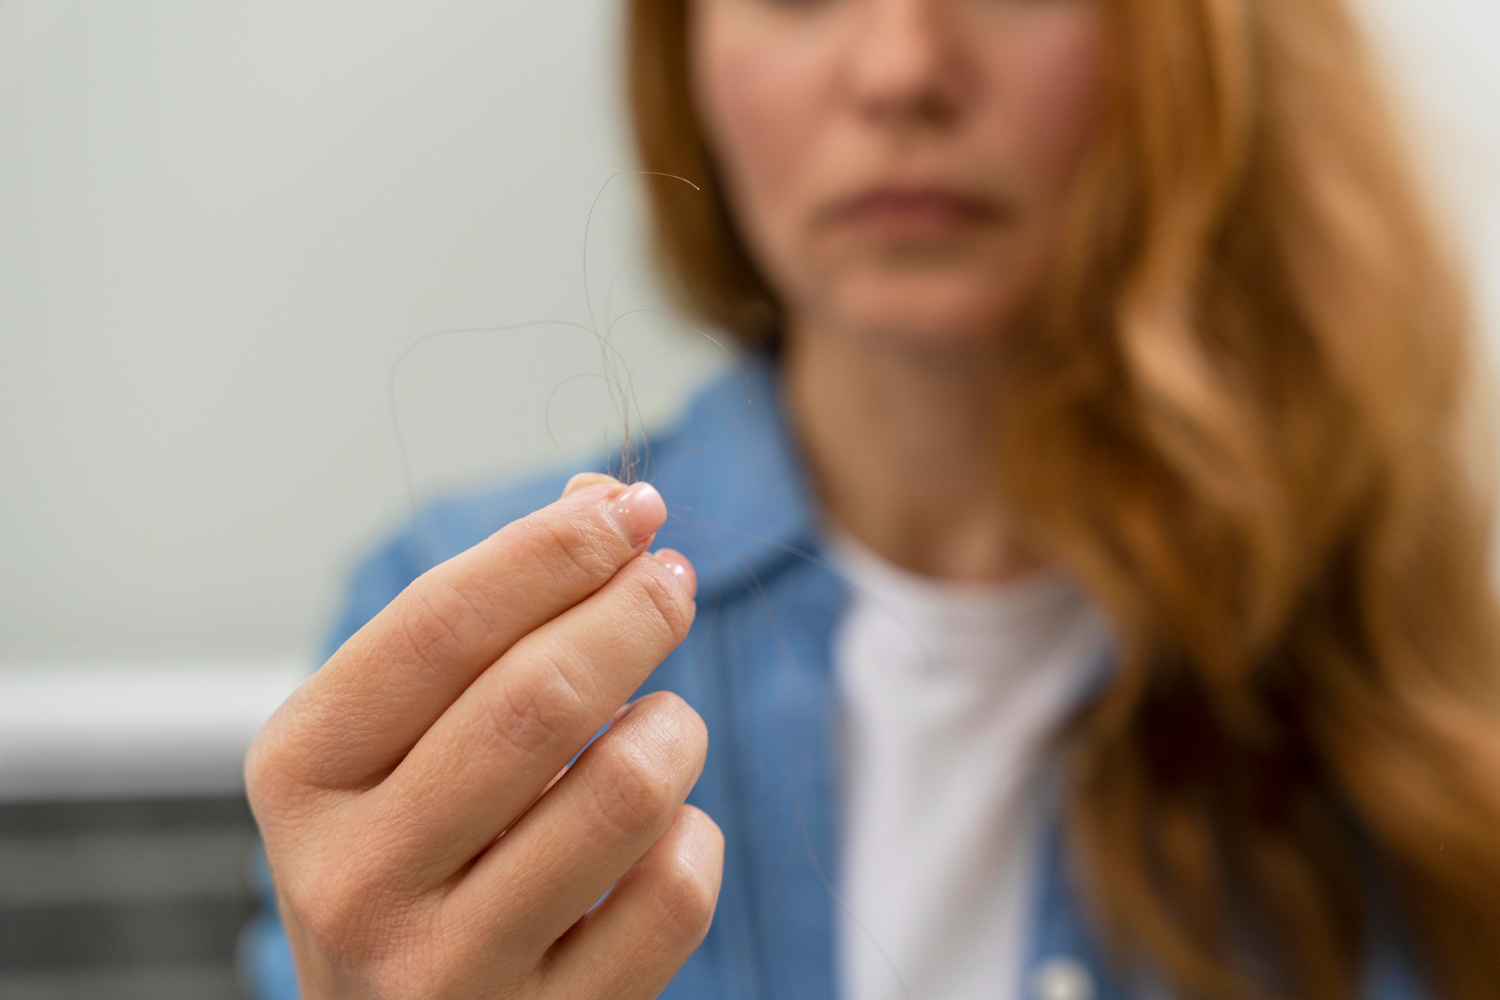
898, 167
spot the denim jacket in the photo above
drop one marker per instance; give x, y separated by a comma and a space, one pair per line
756, 666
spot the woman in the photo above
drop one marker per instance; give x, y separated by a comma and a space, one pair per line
1091, 599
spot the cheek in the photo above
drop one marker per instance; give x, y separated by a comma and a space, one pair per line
1045, 89
762, 95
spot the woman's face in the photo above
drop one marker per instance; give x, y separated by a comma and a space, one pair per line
898, 166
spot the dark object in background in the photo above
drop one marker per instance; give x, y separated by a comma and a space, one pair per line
123, 899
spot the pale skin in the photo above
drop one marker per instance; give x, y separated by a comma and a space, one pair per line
898, 167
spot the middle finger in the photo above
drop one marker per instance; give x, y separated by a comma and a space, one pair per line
584, 834
495, 749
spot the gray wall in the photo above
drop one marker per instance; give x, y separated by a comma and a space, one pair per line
221, 223
219, 226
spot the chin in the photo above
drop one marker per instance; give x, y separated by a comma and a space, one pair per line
925, 310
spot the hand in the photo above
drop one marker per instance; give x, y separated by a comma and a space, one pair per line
423, 835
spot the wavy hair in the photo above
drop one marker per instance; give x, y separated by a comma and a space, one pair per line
1245, 426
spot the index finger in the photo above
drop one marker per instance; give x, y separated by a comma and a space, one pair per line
357, 717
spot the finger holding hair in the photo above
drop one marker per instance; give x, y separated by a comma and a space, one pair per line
358, 716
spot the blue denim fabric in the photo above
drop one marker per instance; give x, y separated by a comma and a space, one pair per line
756, 667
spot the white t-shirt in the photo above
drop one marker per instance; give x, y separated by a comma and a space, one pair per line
949, 693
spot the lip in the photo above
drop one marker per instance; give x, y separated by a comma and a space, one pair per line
913, 212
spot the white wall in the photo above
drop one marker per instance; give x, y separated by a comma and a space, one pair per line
1442, 57
220, 224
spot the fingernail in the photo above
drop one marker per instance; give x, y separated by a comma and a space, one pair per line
680, 567
638, 512
583, 479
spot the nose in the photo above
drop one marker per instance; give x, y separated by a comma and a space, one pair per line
906, 63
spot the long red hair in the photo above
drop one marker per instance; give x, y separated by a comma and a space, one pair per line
1245, 427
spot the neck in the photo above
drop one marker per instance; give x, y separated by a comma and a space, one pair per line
900, 444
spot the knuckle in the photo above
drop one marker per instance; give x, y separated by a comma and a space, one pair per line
649, 763
341, 900
687, 894
536, 711
677, 726
666, 598
431, 629
263, 773
633, 791
576, 549
327, 906
346, 909
274, 771
688, 898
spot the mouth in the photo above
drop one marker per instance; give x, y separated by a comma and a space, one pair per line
912, 213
